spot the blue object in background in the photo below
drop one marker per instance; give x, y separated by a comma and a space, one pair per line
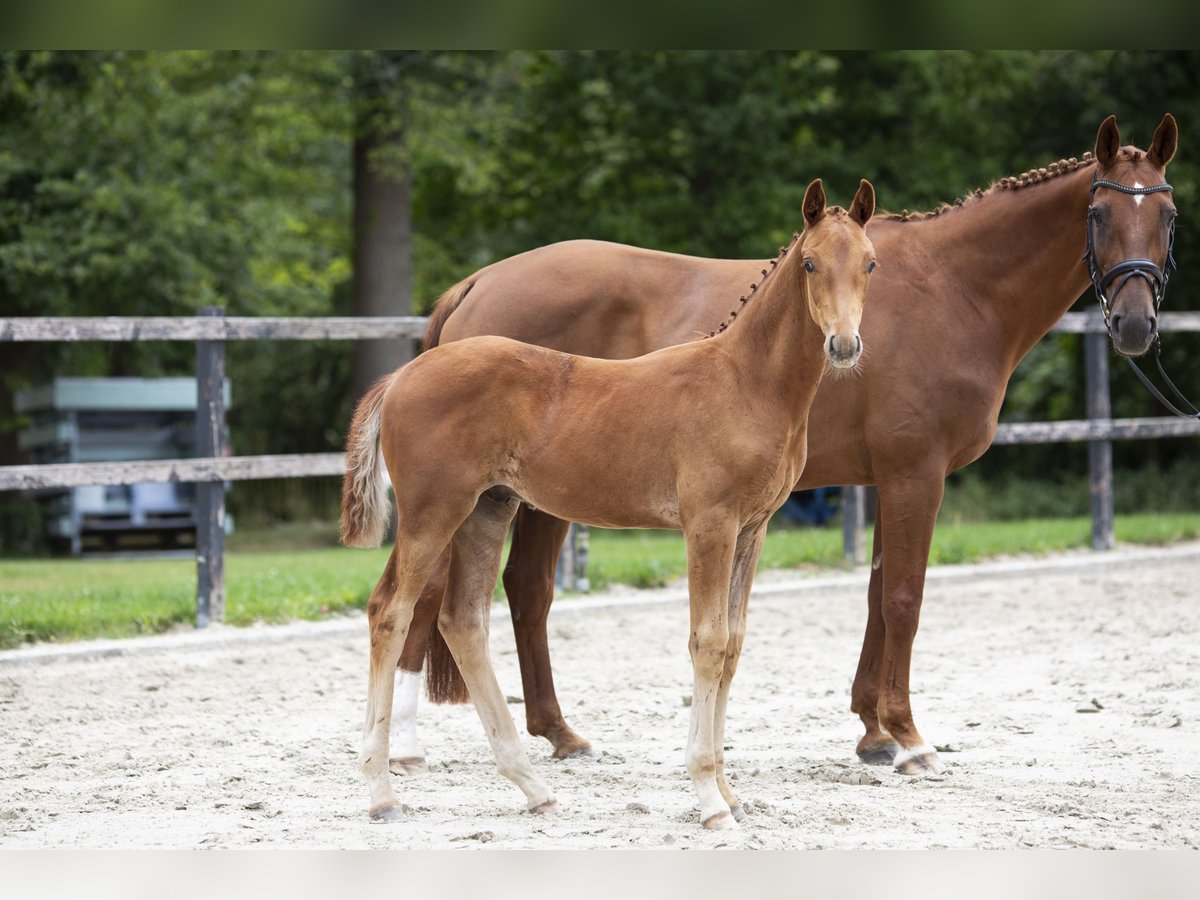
815, 507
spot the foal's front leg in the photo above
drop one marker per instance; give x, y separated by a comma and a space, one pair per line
749, 548
710, 548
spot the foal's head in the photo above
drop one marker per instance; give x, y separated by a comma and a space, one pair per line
1130, 228
838, 260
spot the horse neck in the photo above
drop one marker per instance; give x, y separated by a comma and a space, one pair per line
779, 348
1015, 256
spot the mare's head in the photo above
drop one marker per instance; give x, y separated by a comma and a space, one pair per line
838, 259
1130, 232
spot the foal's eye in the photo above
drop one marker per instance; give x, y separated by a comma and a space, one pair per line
870, 267
808, 266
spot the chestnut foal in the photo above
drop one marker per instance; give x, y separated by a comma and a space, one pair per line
706, 437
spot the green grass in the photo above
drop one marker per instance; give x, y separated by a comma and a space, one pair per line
63, 600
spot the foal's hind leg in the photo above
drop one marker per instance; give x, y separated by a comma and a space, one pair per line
474, 565
389, 612
749, 548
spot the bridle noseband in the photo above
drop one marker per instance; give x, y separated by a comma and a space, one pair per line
1130, 268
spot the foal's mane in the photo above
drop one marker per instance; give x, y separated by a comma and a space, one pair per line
767, 272
1011, 183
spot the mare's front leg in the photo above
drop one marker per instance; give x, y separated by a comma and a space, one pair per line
407, 753
746, 554
710, 550
876, 747
474, 565
908, 510
529, 584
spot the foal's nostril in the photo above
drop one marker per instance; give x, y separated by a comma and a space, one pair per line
1153, 324
858, 344
1116, 324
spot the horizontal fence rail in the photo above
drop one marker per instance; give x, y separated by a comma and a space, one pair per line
210, 329
306, 465
342, 328
159, 471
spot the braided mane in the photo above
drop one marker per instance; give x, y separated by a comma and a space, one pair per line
755, 285
1011, 183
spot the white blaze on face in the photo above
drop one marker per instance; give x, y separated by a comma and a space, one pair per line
1138, 198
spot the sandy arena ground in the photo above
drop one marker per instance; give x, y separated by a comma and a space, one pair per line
1063, 696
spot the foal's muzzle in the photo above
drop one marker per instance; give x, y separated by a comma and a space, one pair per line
843, 351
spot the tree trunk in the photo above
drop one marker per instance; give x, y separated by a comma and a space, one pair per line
382, 249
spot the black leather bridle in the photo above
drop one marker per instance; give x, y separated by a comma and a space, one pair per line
1121, 274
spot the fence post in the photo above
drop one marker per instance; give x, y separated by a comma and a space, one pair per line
854, 531
564, 572
210, 495
1100, 469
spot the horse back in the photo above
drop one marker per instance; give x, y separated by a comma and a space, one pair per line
599, 299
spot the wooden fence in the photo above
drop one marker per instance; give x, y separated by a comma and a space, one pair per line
211, 329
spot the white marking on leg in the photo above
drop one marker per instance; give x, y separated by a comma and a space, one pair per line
912, 753
404, 741
1138, 198
877, 562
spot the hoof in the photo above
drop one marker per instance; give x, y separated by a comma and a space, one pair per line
722, 821
549, 808
580, 749
922, 760
879, 754
383, 815
407, 765
738, 813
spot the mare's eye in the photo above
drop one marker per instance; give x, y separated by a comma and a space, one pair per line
808, 266
870, 267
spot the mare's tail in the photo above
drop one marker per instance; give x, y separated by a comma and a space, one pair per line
364, 487
443, 681
444, 307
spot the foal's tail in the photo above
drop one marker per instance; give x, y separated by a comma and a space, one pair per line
364, 487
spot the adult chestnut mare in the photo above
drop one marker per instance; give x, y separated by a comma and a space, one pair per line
706, 437
961, 296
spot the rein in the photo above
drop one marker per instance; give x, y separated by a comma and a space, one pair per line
1131, 268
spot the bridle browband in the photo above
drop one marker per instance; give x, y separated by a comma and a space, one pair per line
1127, 269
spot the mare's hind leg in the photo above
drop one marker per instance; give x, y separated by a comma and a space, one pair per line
474, 565
407, 752
710, 549
749, 548
876, 747
389, 612
529, 584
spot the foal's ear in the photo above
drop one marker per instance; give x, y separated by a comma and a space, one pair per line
814, 202
1166, 139
863, 206
1108, 141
